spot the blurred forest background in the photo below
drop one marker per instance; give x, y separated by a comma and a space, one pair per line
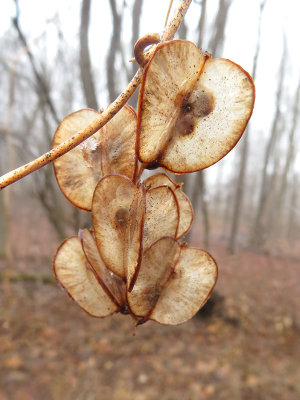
57, 58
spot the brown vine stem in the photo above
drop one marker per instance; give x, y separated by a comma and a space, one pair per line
103, 118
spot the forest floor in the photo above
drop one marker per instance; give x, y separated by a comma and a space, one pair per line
246, 346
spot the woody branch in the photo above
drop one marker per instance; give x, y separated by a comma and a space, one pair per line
102, 119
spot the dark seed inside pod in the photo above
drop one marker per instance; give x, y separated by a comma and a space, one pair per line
185, 124
122, 216
193, 105
152, 165
203, 102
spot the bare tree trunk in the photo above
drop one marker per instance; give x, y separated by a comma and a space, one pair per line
85, 62
136, 20
219, 192
240, 186
200, 191
115, 44
270, 214
216, 42
228, 209
239, 195
45, 192
3, 227
255, 239
201, 24
293, 209
205, 211
290, 155
251, 199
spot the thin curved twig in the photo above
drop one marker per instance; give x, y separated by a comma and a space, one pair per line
141, 44
98, 122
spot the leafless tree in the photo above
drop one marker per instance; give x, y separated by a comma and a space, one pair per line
3, 230
44, 186
244, 149
288, 162
293, 209
136, 20
256, 238
115, 45
216, 42
201, 23
84, 60
42, 85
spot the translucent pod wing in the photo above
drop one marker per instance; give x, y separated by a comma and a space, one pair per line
118, 141
159, 179
218, 130
188, 287
156, 267
78, 171
111, 213
134, 237
162, 215
207, 112
186, 214
173, 69
110, 150
111, 284
74, 274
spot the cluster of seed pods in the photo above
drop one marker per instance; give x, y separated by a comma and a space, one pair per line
192, 111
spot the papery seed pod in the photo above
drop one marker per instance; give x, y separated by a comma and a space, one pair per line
111, 283
110, 150
127, 220
173, 283
186, 214
162, 215
188, 288
74, 273
192, 109
156, 268
112, 221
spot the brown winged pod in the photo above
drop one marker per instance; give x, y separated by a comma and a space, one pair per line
185, 208
131, 262
74, 272
172, 284
127, 219
110, 150
192, 109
